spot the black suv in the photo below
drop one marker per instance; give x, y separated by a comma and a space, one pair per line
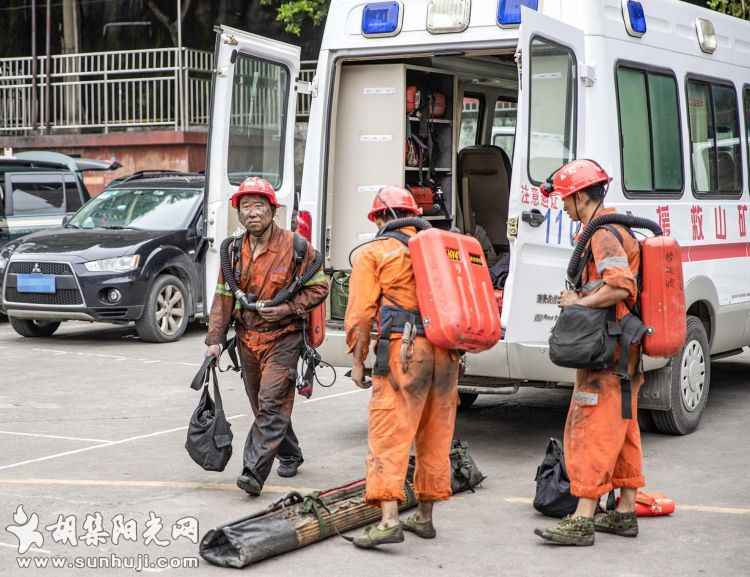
132, 254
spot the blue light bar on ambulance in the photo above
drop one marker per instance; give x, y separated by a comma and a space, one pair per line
509, 11
634, 17
382, 19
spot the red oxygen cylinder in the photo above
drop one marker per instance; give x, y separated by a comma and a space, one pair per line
454, 290
316, 326
662, 297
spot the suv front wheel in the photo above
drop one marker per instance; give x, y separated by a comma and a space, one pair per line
32, 328
165, 316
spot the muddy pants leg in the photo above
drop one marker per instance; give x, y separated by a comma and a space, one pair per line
395, 411
275, 399
432, 478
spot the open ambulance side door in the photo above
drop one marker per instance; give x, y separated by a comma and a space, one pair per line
251, 131
550, 127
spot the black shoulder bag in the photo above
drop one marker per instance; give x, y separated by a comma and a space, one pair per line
209, 435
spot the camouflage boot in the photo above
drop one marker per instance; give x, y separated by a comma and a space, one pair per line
623, 524
578, 531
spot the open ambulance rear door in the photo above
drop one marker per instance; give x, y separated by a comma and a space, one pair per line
251, 131
550, 131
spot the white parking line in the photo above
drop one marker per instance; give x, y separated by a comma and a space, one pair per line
119, 358
100, 446
316, 399
54, 437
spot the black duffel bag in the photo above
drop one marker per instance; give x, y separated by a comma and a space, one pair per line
209, 435
584, 338
553, 496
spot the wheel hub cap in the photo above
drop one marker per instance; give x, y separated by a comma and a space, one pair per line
692, 375
170, 310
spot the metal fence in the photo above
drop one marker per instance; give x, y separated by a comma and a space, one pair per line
104, 91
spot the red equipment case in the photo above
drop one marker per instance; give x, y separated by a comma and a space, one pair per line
454, 289
662, 296
316, 326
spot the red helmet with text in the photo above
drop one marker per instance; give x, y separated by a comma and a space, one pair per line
575, 176
393, 197
254, 186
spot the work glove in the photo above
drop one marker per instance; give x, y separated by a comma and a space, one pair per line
274, 314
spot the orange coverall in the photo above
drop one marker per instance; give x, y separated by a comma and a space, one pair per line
603, 450
412, 404
268, 351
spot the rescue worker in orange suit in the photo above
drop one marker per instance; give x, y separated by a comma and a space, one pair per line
602, 448
414, 398
270, 340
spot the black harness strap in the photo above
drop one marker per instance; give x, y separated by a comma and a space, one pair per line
393, 320
629, 331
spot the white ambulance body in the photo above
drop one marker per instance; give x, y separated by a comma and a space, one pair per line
666, 112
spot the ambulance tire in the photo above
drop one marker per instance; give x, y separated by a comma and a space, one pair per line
466, 400
34, 329
693, 365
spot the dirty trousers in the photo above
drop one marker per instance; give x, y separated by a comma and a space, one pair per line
421, 409
269, 373
602, 450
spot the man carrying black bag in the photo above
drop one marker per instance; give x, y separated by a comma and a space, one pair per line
209, 437
602, 442
269, 338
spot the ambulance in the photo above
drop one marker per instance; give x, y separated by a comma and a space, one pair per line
656, 91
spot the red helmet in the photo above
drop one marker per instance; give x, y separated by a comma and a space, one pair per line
254, 186
574, 176
393, 197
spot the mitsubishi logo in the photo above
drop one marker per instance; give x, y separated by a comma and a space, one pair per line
37, 268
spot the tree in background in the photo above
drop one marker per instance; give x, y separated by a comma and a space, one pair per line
294, 14
737, 8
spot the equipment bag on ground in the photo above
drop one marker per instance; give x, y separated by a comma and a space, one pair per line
553, 496
209, 435
295, 521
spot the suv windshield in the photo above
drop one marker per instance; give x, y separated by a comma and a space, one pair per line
147, 209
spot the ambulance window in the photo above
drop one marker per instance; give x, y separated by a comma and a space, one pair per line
504, 126
649, 131
747, 124
715, 148
471, 121
257, 120
552, 116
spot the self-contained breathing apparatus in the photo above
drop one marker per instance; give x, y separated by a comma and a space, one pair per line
313, 328
457, 308
587, 338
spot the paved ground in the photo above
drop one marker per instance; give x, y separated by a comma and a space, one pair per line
93, 422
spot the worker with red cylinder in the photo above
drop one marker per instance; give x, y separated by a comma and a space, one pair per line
270, 339
415, 384
602, 448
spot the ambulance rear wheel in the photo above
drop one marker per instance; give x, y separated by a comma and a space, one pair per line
467, 400
691, 378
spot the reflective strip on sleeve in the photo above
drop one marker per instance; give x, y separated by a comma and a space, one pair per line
319, 278
223, 290
611, 262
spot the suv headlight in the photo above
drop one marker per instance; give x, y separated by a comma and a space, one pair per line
5, 255
118, 264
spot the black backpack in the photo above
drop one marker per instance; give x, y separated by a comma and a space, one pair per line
553, 497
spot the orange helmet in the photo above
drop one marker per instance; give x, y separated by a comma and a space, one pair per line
254, 186
574, 176
393, 197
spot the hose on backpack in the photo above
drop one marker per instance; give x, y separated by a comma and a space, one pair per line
250, 301
627, 220
415, 221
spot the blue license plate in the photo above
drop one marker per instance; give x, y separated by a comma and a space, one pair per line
35, 283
